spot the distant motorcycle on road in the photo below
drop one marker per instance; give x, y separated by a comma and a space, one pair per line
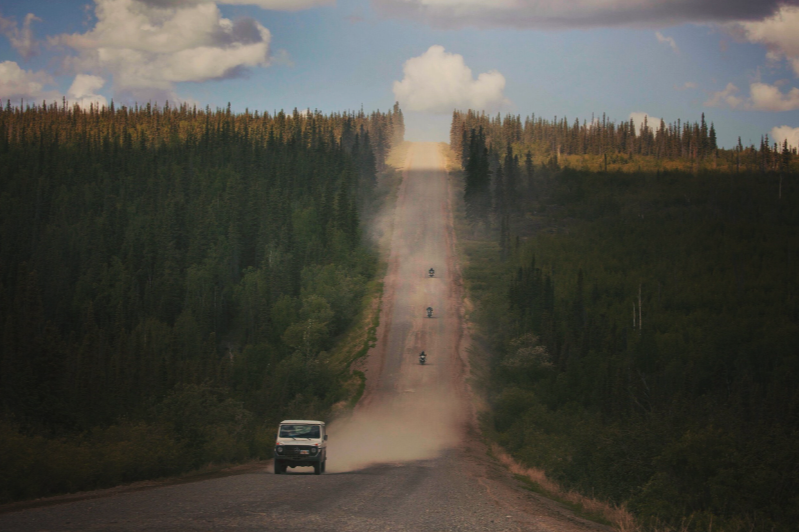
429, 312
422, 358
431, 272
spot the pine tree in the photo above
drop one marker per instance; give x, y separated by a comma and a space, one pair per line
738, 151
712, 144
511, 171
504, 237
704, 143
477, 194
500, 192
785, 159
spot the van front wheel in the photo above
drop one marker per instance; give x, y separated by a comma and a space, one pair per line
279, 467
317, 468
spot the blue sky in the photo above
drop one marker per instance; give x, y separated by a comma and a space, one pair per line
344, 55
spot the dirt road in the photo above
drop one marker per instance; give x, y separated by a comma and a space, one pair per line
409, 459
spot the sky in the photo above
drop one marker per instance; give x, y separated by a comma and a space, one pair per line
737, 61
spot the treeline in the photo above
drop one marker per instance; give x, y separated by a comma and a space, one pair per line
643, 331
155, 260
556, 138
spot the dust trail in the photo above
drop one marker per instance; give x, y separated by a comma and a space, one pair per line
379, 218
411, 412
415, 427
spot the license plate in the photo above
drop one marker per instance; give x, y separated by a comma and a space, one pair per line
303, 452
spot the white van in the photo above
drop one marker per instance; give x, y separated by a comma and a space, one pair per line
301, 443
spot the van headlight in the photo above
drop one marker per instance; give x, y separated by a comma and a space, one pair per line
279, 449
314, 450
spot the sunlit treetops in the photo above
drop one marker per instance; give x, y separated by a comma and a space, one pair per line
150, 125
687, 141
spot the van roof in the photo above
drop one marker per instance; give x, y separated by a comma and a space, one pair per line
303, 421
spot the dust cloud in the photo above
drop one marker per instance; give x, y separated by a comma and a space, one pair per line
413, 427
379, 216
410, 412
379, 227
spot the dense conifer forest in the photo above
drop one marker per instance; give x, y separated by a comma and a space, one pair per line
168, 279
644, 318
604, 144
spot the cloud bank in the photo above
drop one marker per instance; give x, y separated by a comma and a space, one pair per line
438, 82
83, 91
762, 97
148, 46
17, 83
779, 33
20, 38
783, 133
558, 14
652, 122
277, 5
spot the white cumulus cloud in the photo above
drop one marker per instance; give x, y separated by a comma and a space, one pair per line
17, 83
638, 119
20, 38
779, 33
83, 91
762, 97
276, 5
560, 14
147, 47
766, 97
783, 133
727, 97
438, 82
282, 5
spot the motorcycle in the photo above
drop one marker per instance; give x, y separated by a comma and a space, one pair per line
422, 358
431, 272
429, 312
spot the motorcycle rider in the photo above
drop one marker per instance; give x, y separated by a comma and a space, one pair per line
431, 271
422, 357
429, 312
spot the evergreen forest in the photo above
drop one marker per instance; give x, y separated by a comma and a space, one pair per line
170, 281
643, 320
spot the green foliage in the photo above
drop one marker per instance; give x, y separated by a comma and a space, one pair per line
477, 194
177, 271
206, 423
681, 401
361, 388
603, 144
193, 426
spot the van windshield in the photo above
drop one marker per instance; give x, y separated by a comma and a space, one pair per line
299, 431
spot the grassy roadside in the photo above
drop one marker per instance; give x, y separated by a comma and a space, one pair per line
576, 503
356, 344
536, 480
